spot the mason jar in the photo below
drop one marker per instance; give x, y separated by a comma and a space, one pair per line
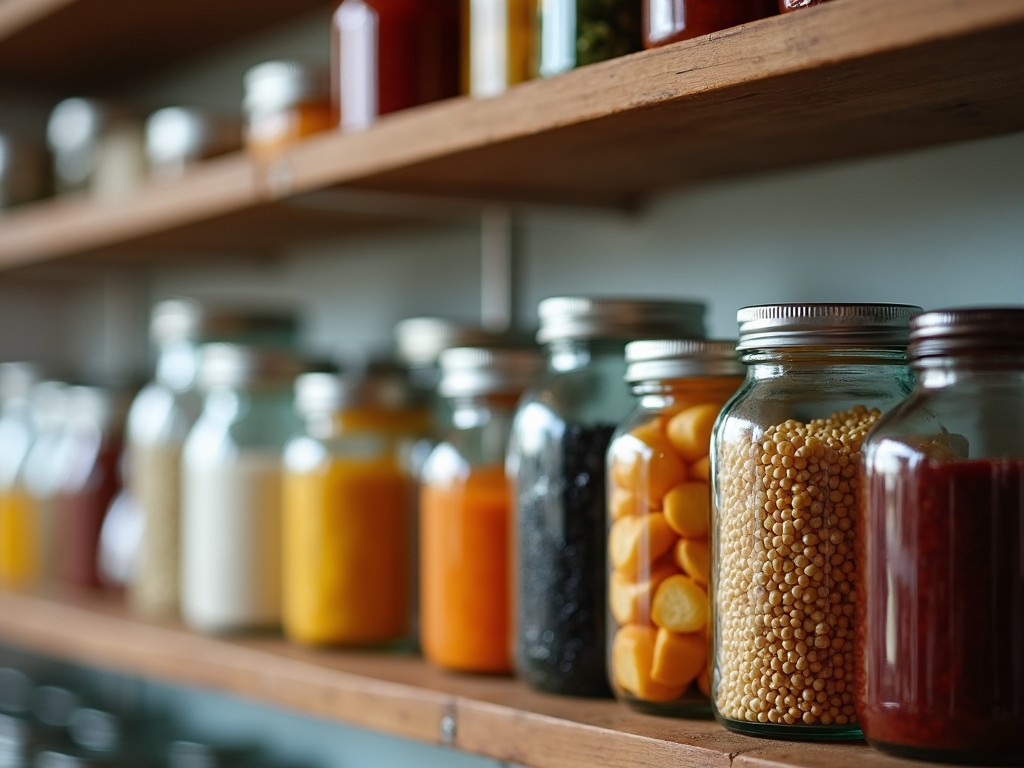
465, 594
231, 488
557, 469
158, 422
659, 502
941, 590
348, 508
785, 457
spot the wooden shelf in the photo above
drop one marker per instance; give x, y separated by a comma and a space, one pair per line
846, 79
401, 695
78, 46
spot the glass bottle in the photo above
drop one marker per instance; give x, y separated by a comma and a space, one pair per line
348, 508
389, 55
231, 488
159, 421
669, 21
499, 44
557, 470
941, 589
464, 512
285, 101
659, 502
19, 547
785, 455
573, 33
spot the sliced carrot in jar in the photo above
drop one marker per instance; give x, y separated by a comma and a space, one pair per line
629, 600
688, 509
632, 656
680, 604
689, 431
637, 541
693, 556
678, 657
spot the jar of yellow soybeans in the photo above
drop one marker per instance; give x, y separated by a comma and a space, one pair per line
658, 516
348, 509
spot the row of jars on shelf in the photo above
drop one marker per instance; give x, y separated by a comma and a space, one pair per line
387, 55
49, 719
759, 558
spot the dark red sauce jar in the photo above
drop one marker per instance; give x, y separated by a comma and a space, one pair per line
669, 21
940, 623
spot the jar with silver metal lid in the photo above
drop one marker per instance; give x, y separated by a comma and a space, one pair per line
284, 102
348, 508
786, 452
231, 488
557, 466
465, 599
178, 137
159, 420
659, 501
941, 592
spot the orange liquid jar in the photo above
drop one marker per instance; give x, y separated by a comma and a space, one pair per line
285, 101
669, 21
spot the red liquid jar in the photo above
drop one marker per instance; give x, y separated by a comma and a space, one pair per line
669, 21
940, 617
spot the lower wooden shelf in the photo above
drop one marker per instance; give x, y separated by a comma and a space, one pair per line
398, 695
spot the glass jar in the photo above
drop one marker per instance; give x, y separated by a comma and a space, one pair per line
557, 469
19, 547
348, 509
795, 5
573, 33
499, 44
90, 479
73, 133
159, 421
785, 456
941, 589
659, 502
464, 512
389, 55
669, 21
231, 488
179, 137
285, 101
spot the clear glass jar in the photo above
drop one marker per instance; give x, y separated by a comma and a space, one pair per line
941, 589
573, 33
285, 101
669, 21
348, 509
159, 421
389, 55
498, 45
659, 501
464, 512
785, 456
231, 488
557, 468
19, 546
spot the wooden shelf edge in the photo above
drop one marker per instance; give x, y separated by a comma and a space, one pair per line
397, 695
16, 15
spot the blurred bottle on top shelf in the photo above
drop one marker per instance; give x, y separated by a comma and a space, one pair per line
573, 33
499, 44
19, 558
285, 101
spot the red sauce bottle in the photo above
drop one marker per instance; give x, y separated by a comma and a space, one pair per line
940, 623
669, 21
388, 55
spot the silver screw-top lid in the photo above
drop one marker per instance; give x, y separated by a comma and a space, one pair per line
284, 83
995, 334
654, 359
470, 371
378, 386
17, 380
180, 319
237, 365
587, 317
831, 326
419, 341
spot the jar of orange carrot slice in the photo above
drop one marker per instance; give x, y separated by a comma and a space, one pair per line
658, 517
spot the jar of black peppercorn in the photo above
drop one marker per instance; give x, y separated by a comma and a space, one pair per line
556, 464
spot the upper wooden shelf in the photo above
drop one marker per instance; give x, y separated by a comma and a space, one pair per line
74, 47
401, 695
849, 78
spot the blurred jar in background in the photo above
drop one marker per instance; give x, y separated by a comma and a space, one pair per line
499, 44
90, 479
348, 508
574, 33
179, 137
389, 55
231, 488
19, 547
285, 101
669, 21
158, 423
